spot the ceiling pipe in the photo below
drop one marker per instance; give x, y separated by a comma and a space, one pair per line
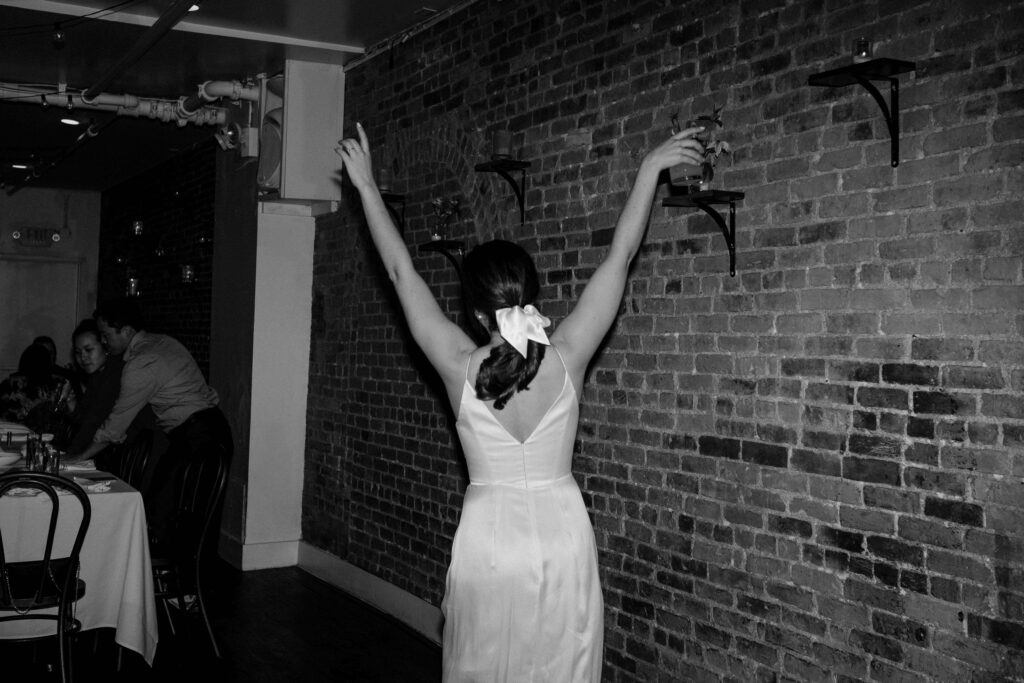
211, 91
163, 25
124, 105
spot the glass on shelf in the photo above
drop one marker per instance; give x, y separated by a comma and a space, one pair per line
861, 50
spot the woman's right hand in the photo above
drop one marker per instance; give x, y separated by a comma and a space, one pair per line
355, 156
679, 149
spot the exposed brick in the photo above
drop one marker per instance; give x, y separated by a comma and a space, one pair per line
882, 398
872, 470
952, 483
877, 645
907, 630
906, 373
943, 349
925, 531
998, 631
840, 538
748, 445
764, 454
955, 511
719, 448
936, 402
895, 550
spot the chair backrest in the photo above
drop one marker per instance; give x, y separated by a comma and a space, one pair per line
132, 458
42, 580
200, 485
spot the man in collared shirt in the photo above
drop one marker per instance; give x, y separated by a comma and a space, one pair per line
159, 372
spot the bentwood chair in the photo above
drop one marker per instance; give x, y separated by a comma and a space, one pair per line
30, 586
131, 459
178, 559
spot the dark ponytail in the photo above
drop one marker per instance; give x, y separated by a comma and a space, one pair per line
500, 274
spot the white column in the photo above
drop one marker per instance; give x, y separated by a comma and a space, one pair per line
280, 380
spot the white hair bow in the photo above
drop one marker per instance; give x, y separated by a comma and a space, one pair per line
518, 325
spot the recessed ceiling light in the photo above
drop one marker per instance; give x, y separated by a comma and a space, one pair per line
68, 121
20, 167
194, 8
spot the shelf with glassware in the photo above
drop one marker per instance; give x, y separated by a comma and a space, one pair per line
505, 167
706, 200
882, 69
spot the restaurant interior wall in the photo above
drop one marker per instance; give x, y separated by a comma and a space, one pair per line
809, 471
175, 204
30, 264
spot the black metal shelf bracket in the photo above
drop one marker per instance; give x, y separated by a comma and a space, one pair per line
883, 69
395, 204
505, 168
706, 201
448, 249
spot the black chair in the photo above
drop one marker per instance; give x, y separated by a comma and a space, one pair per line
178, 557
130, 460
29, 586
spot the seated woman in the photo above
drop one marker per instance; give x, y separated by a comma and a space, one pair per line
29, 395
99, 381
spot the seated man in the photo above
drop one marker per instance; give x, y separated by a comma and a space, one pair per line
158, 371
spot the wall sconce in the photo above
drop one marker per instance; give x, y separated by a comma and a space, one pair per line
188, 274
384, 179
132, 288
444, 209
137, 228
501, 144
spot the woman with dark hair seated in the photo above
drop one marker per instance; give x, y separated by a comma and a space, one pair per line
99, 380
522, 599
30, 395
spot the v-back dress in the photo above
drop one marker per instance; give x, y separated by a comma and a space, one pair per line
523, 600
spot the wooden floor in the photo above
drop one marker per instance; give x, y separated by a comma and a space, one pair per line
274, 625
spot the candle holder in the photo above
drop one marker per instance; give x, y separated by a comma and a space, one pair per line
384, 179
501, 144
444, 209
693, 178
861, 50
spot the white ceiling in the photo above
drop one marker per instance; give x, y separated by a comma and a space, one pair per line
223, 40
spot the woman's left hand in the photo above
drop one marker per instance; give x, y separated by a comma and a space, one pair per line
355, 155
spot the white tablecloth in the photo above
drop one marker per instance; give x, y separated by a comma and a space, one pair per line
115, 561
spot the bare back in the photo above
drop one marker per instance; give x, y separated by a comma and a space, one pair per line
525, 409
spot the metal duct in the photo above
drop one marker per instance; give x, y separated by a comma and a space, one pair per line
214, 90
124, 105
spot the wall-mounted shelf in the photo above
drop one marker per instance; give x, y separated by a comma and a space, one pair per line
706, 201
505, 168
448, 249
395, 204
883, 69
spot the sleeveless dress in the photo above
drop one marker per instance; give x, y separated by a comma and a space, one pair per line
523, 599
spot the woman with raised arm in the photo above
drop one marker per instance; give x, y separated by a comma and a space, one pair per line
522, 600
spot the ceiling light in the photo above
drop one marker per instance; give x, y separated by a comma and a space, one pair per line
70, 121
20, 167
58, 36
194, 7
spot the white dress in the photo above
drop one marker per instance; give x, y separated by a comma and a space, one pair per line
523, 600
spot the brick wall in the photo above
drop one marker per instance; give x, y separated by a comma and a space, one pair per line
175, 202
810, 471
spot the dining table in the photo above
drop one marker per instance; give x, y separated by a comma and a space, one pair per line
114, 561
